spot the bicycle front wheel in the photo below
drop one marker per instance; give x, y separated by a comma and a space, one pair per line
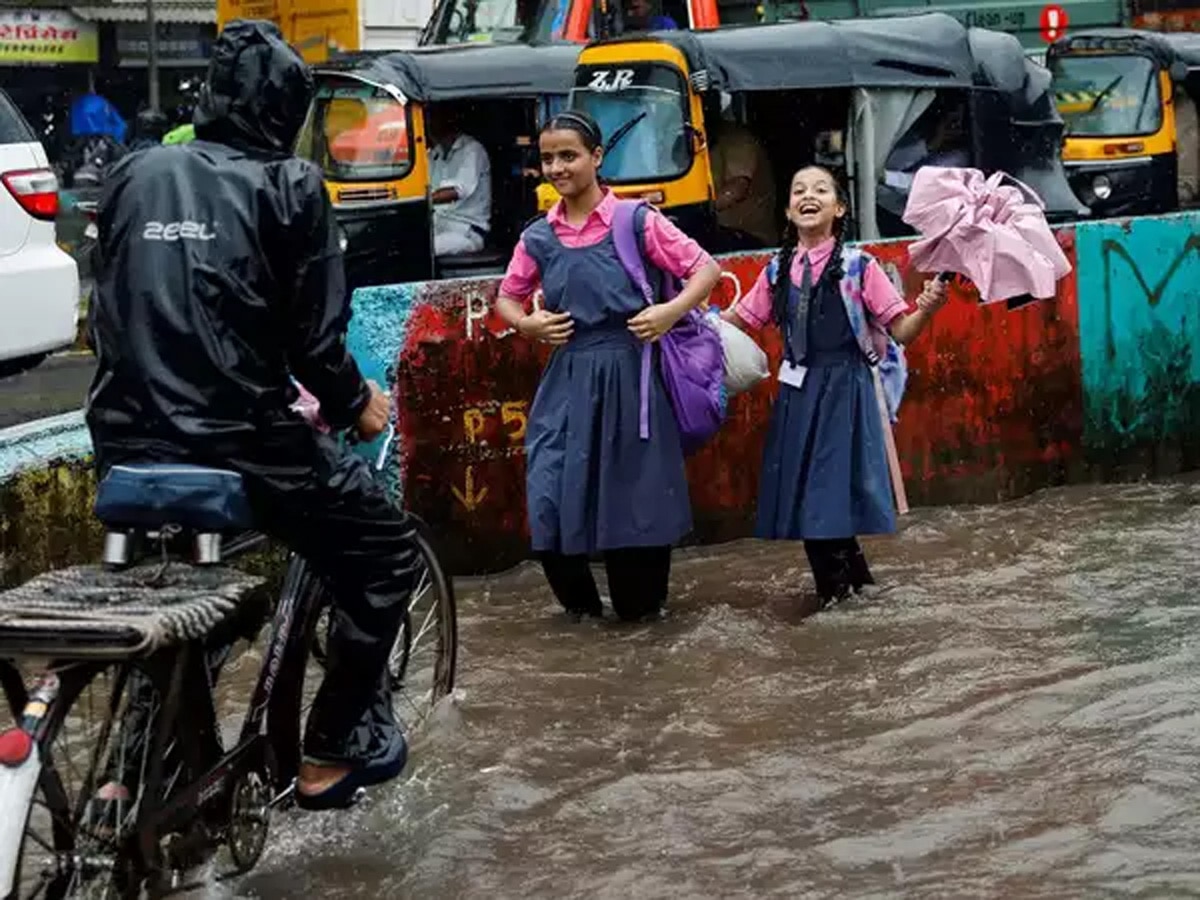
424, 660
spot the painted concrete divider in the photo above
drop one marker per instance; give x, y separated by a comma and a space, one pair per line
1103, 381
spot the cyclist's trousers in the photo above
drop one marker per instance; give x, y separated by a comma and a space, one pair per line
325, 503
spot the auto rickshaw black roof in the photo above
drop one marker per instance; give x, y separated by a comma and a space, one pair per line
931, 50
465, 72
1164, 48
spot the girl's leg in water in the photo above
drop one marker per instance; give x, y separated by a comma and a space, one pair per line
571, 580
637, 580
838, 567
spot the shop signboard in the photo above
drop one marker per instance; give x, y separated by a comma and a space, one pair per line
46, 36
316, 28
179, 43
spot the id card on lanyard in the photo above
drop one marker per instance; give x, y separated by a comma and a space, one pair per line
792, 375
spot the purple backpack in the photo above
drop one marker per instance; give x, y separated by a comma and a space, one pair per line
693, 359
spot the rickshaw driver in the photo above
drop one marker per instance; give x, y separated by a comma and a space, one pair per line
742, 178
461, 174
640, 16
938, 138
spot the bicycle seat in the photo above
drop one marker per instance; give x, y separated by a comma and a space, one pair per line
151, 497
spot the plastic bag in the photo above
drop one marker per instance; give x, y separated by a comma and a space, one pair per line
745, 361
309, 408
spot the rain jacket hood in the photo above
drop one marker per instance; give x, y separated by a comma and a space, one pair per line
257, 92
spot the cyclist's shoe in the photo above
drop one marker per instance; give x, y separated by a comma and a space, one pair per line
376, 752
388, 755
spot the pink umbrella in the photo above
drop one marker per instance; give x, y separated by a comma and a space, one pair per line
994, 234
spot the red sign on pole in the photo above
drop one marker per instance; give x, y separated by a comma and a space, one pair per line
1053, 22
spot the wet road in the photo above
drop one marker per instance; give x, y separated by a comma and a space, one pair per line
1013, 714
58, 385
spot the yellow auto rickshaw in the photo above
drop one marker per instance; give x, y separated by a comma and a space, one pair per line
368, 131
874, 97
1129, 102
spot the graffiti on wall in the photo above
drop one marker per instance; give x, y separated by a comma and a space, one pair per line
1139, 335
992, 409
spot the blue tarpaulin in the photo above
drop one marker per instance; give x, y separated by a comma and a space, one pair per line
91, 114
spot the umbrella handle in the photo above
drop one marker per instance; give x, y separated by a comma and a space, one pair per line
1030, 193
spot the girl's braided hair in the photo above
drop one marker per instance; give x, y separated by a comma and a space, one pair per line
787, 251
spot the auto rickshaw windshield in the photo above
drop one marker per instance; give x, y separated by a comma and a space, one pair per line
642, 110
357, 132
1107, 95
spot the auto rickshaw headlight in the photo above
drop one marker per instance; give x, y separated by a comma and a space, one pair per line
343, 239
1101, 187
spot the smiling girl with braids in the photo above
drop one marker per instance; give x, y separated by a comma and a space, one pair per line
825, 474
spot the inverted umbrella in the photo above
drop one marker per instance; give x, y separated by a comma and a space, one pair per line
993, 233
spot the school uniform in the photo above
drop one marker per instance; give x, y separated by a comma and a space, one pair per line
593, 485
825, 476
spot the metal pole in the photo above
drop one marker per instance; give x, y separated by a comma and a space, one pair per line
152, 54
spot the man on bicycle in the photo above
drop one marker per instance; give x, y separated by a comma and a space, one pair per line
219, 278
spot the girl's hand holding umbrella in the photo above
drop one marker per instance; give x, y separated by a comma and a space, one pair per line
934, 296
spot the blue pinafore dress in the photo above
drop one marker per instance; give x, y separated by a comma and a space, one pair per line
825, 473
592, 484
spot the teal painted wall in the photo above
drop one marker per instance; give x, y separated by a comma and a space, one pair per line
1139, 337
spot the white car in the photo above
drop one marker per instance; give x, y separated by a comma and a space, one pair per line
39, 283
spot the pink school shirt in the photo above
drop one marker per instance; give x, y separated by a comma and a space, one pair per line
666, 246
880, 297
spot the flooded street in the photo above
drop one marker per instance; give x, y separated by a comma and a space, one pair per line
1014, 713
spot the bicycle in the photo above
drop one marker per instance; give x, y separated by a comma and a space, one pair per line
148, 636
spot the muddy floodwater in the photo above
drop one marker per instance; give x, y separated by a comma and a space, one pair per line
1014, 713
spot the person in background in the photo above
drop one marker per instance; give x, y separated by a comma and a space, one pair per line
149, 129
593, 484
461, 175
825, 477
742, 177
939, 138
640, 16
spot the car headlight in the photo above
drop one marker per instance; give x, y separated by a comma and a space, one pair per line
1101, 187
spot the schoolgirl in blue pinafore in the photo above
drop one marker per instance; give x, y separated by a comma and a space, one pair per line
593, 484
825, 477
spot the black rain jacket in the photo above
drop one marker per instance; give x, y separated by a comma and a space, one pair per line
220, 273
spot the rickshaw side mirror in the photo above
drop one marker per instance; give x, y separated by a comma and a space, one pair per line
1178, 71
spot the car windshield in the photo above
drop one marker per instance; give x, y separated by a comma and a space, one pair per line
13, 127
356, 132
1107, 96
642, 112
484, 21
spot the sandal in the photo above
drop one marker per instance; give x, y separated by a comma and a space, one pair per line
345, 792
